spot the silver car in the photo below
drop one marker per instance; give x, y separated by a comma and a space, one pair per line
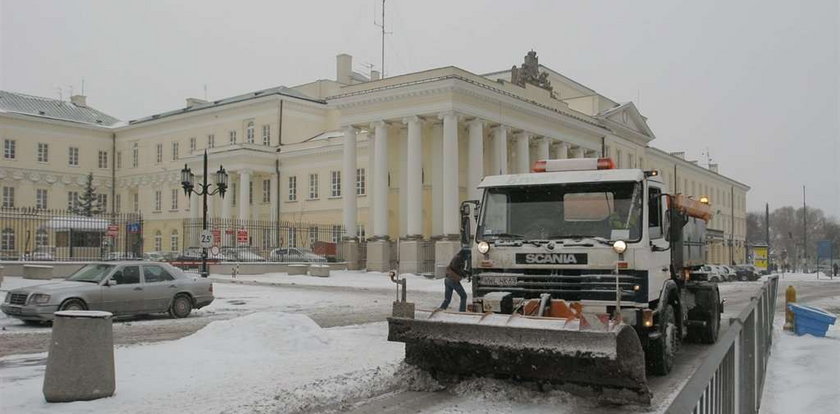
122, 288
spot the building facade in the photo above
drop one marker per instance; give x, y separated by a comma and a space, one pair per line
386, 159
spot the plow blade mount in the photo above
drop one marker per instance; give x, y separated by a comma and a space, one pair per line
605, 362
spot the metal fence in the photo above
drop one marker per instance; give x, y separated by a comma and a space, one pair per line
731, 378
60, 235
263, 236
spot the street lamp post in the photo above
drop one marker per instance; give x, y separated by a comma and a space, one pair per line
187, 182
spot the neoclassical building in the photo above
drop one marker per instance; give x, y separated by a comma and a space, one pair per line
379, 159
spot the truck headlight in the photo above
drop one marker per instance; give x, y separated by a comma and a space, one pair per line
39, 298
620, 246
483, 247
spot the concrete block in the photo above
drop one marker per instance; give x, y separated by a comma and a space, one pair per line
298, 269
80, 364
319, 271
353, 255
337, 265
379, 256
37, 272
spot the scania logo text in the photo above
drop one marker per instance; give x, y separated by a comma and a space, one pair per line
552, 258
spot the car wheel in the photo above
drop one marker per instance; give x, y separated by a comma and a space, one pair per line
743, 278
181, 306
72, 305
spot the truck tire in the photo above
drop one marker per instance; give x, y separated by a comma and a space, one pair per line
661, 352
707, 309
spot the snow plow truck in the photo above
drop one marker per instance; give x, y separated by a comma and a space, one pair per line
583, 275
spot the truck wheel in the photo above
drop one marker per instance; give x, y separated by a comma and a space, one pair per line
707, 310
662, 351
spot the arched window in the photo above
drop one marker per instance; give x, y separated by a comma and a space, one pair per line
41, 238
7, 239
173, 240
158, 241
249, 132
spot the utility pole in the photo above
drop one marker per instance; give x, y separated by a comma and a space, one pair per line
804, 230
382, 26
767, 231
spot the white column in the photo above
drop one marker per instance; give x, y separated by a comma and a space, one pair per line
500, 152
562, 151
380, 179
371, 189
542, 148
523, 149
244, 185
435, 177
227, 203
581, 152
414, 179
475, 158
349, 193
450, 173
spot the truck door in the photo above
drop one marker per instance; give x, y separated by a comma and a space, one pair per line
659, 269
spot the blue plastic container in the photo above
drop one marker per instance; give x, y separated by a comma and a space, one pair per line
810, 320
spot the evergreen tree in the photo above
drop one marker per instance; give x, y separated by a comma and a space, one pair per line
87, 203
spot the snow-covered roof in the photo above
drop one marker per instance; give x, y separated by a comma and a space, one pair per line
76, 223
18, 103
564, 177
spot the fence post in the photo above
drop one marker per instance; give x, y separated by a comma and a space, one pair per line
747, 366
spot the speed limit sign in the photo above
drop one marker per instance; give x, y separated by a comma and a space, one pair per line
206, 238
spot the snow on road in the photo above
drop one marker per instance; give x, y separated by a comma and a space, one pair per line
340, 278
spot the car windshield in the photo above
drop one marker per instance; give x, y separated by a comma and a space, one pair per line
607, 210
92, 273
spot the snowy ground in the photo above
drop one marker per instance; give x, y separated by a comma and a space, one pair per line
804, 371
340, 278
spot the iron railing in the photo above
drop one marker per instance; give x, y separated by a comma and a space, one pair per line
58, 235
731, 378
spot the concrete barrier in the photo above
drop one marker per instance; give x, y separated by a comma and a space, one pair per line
33, 271
337, 265
60, 269
319, 270
297, 269
80, 364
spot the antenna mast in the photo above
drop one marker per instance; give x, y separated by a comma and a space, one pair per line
383, 36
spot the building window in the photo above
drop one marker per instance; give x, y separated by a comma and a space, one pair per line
249, 132
292, 188
335, 183
72, 200
7, 241
175, 193
157, 200
313, 235
360, 181
135, 202
135, 155
41, 199
42, 238
232, 137
159, 153
158, 241
9, 149
192, 144
175, 151
73, 156
211, 141
102, 200
8, 197
119, 159
103, 159
117, 203
266, 135
266, 191
292, 236
313, 186
336, 234
173, 241
250, 192
43, 152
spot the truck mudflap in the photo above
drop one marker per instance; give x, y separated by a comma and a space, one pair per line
585, 355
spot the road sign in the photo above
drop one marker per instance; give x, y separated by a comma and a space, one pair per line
229, 231
214, 250
112, 230
205, 238
242, 236
217, 236
133, 227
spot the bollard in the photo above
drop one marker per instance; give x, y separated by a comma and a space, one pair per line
790, 297
80, 364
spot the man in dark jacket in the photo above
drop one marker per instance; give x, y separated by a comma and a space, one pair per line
456, 271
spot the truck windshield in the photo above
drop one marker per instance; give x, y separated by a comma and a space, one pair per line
597, 210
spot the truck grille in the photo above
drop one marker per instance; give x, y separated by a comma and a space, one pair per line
18, 299
567, 284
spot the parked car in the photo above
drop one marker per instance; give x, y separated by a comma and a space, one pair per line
154, 256
747, 272
731, 273
294, 254
242, 254
713, 273
123, 288
119, 256
37, 256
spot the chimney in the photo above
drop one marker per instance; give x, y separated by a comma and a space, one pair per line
343, 68
195, 101
79, 100
375, 75
713, 167
680, 155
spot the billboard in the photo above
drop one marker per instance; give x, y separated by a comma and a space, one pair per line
760, 257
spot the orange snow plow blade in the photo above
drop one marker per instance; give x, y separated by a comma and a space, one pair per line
589, 356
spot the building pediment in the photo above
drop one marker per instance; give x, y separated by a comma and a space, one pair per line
626, 117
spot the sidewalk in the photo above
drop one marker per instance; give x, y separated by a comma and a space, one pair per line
338, 278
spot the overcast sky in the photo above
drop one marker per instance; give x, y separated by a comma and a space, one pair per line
754, 82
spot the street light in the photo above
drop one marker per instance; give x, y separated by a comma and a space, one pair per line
188, 183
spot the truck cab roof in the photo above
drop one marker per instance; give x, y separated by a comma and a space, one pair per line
564, 177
